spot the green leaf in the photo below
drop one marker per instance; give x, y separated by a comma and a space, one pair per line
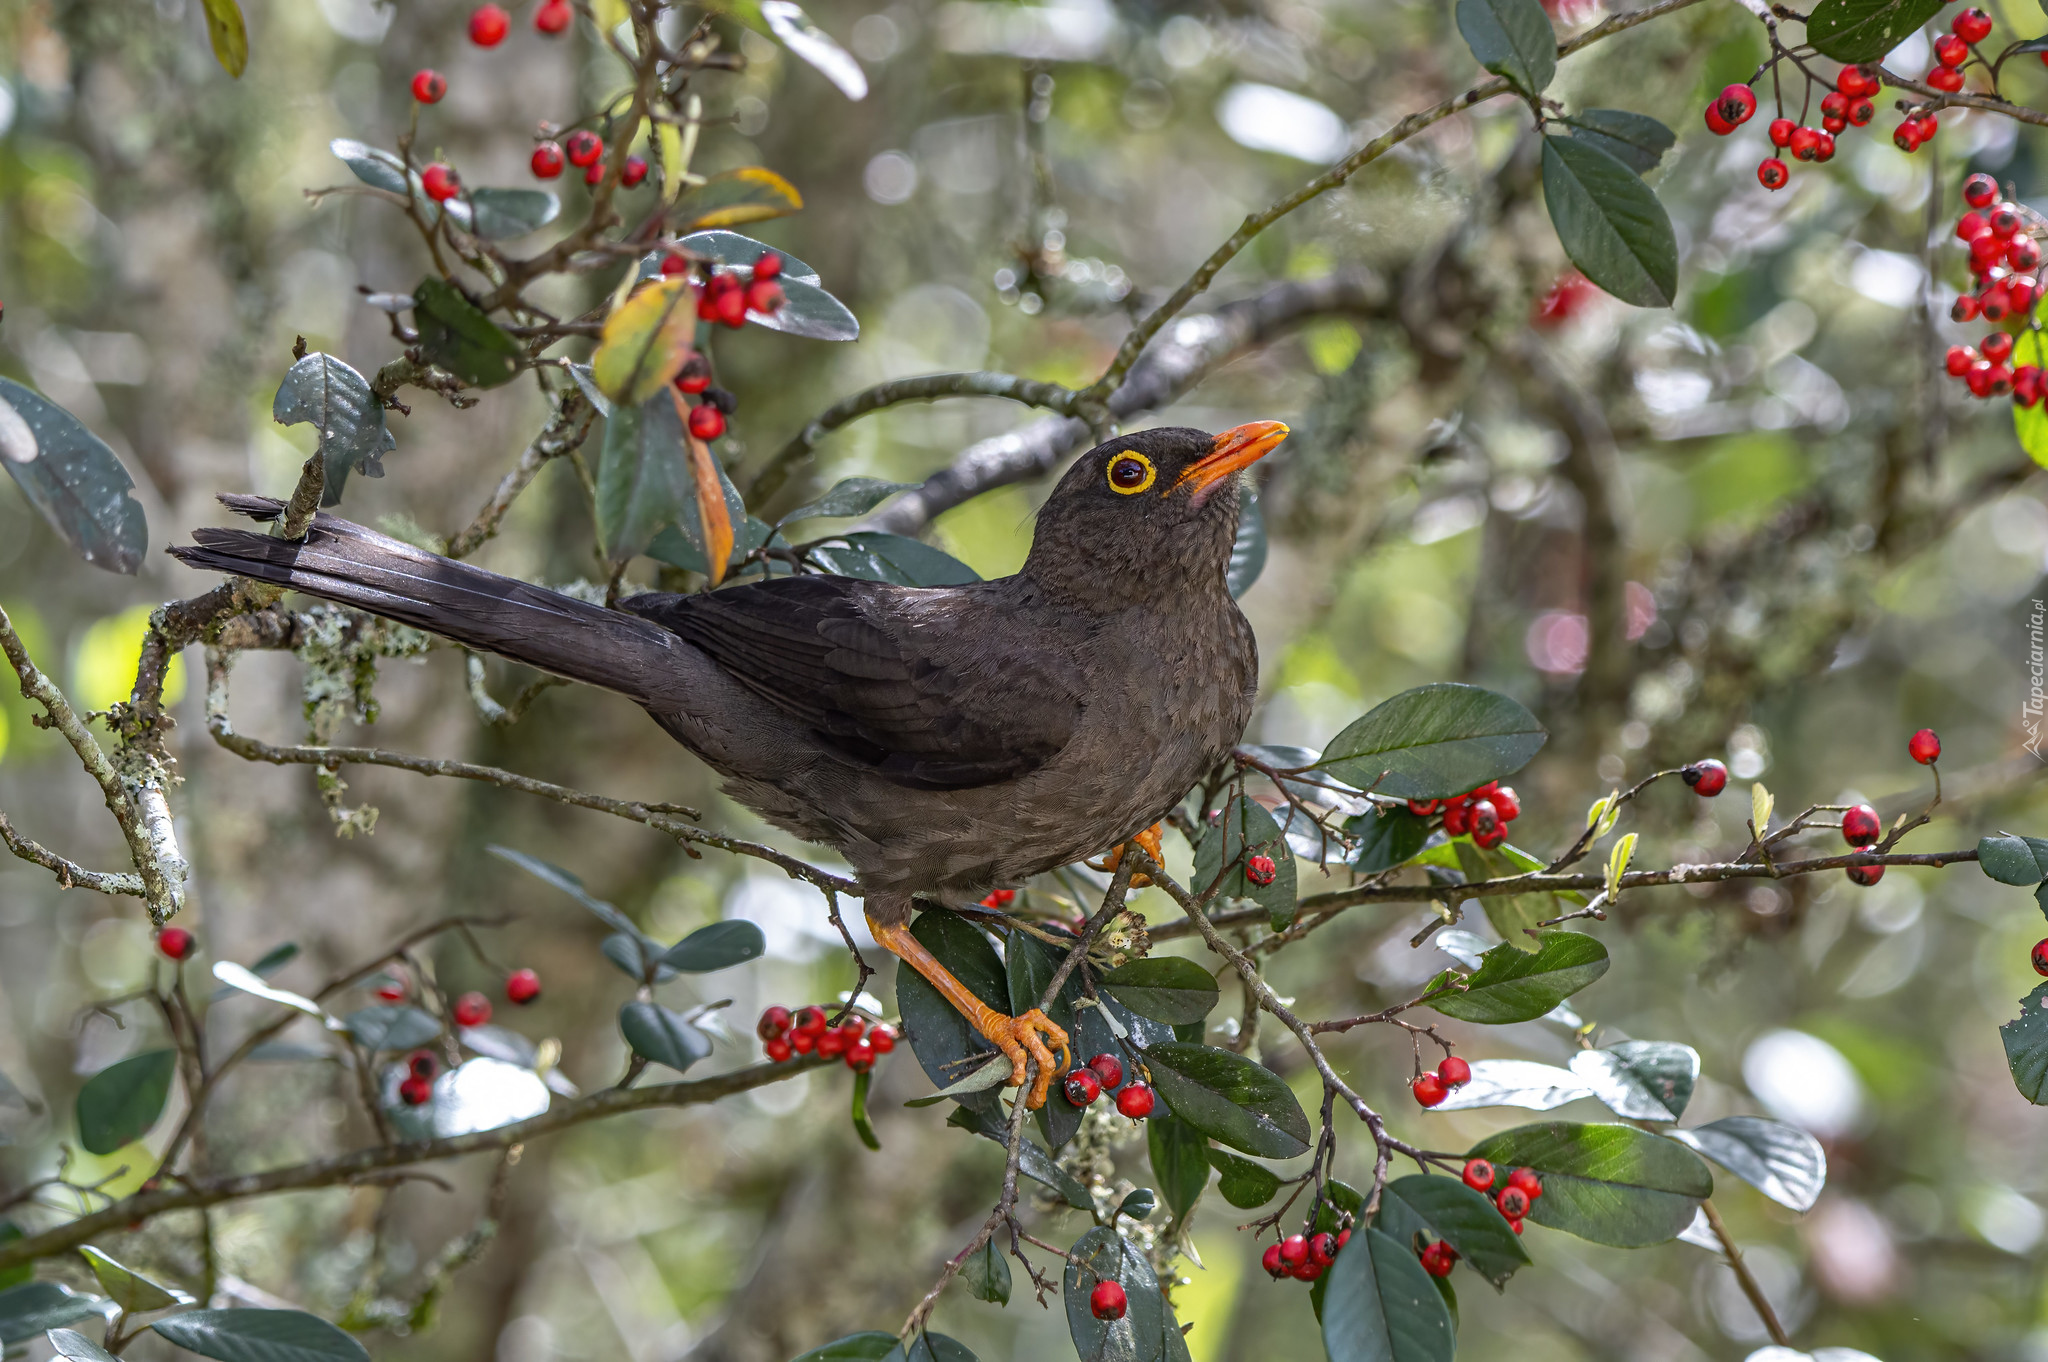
392, 1026
1179, 1162
1641, 1080
930, 1348
645, 342
501, 214
2030, 424
1610, 222
1168, 988
1612, 1184
461, 339
73, 1346
1449, 1210
810, 312
665, 1037
719, 946
878, 557
987, 1274
1241, 831
1229, 1098
1386, 837
787, 21
637, 957
1140, 1204
71, 477
1244, 1184
338, 403
748, 194
260, 1336
1098, 1256
2026, 1046
644, 481
1511, 38
20, 1272
2013, 860
122, 1101
937, 1034
848, 497
1381, 1306
1514, 916
862, 1126
990, 1075
730, 248
1636, 140
1435, 741
33, 1307
573, 887
374, 166
275, 959
1028, 966
872, 1346
671, 547
1032, 1160
229, 35
1866, 30
129, 1289
1248, 550
1512, 986
1783, 1162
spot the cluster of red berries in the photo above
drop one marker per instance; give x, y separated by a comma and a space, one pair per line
1432, 1088
488, 24
1952, 49
1517, 1193
418, 1088
2004, 257
1846, 106
784, 1033
1485, 812
522, 986
175, 943
1303, 1257
583, 149
1105, 1073
999, 899
1707, 778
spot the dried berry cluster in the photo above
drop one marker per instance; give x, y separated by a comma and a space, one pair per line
784, 1033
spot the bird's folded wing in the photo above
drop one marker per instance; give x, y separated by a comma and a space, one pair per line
934, 690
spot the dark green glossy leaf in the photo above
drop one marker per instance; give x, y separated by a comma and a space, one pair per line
990, 1075
129, 1289
1866, 30
71, 477
1612, 1184
1783, 1162
1339, 1199
810, 312
1385, 838
336, 400
644, 482
1248, 550
987, 1274
1168, 988
665, 1037
719, 946
731, 248
862, 1126
461, 339
392, 1026
2013, 860
20, 1272
1512, 986
1179, 1162
872, 1346
1229, 1098
1139, 1204
1032, 1160
33, 1307
122, 1101
1449, 1210
1514, 916
2026, 1046
937, 1034
73, 1346
671, 547
260, 1336
930, 1348
1435, 741
1244, 1184
1641, 1080
1099, 1256
1029, 967
1381, 1306
570, 885
877, 557
275, 959
848, 497
374, 166
1636, 140
1243, 830
501, 214
635, 956
1511, 38
1610, 222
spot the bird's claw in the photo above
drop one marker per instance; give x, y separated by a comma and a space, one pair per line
1150, 839
1018, 1037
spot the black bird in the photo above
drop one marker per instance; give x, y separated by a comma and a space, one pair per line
945, 740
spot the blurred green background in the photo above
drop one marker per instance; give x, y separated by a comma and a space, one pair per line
1760, 526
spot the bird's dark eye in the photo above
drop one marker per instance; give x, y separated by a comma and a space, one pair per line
1129, 473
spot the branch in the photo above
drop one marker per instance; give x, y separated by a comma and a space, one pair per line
1750, 1288
70, 875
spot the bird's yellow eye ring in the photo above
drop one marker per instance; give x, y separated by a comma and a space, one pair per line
1131, 473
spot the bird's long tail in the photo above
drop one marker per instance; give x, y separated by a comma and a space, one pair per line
343, 562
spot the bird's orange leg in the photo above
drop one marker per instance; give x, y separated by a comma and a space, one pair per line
1149, 839
1016, 1037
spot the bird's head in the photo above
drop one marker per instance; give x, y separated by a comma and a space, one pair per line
1147, 515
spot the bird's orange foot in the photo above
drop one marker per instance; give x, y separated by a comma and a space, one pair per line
1019, 1037
1150, 839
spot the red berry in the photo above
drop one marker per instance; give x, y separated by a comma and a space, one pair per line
554, 16
547, 160
472, 1009
1429, 1090
1824, 146
1860, 825
1736, 104
768, 266
832, 1044
1457, 820
1485, 817
1525, 1181
1082, 1087
1865, 875
1294, 1250
2041, 956
778, 1050
1716, 124
1996, 347
673, 264
1781, 132
429, 86
1972, 25
390, 991
1489, 839
1772, 173
595, 173
1960, 357
175, 942
1515, 1225
1439, 1259
1322, 1249
635, 171
1906, 137
1343, 1238
764, 296
522, 987
1924, 747
1508, 804
1423, 808
1513, 1202
1135, 1101
695, 377
803, 1042
1950, 50
774, 1023
1831, 125
1478, 1175
421, 1064
415, 1092
1107, 1301
1995, 303
860, 1055
1980, 191
1982, 375
811, 1021
2026, 385
1860, 112
706, 422
1454, 1072
1260, 870
1849, 80
732, 305
1964, 309
1707, 778
2005, 221
853, 1028
1270, 1260
1946, 79
2023, 254
441, 182
1805, 142
488, 25
584, 147
1834, 104
1307, 1272
883, 1038
1970, 226
1109, 1069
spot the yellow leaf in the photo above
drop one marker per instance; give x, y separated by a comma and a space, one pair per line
748, 194
609, 14
668, 146
645, 342
1760, 803
2031, 423
711, 513
229, 34
1617, 864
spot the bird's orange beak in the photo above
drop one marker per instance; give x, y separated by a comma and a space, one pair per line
1237, 448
